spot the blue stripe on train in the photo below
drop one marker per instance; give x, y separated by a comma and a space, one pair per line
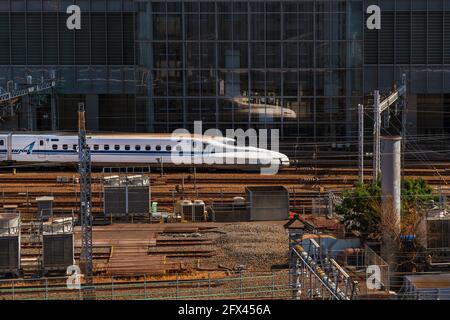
107, 152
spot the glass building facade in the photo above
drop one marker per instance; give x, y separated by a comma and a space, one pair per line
414, 39
300, 66
294, 65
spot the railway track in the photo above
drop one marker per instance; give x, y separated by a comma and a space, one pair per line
169, 176
304, 184
103, 290
205, 284
219, 187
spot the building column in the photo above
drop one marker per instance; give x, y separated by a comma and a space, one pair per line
28, 114
92, 115
411, 115
53, 111
391, 201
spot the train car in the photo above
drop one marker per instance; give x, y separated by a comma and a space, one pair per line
118, 149
262, 108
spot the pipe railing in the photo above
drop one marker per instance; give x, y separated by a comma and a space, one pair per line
324, 274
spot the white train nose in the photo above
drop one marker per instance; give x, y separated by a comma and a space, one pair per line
288, 113
282, 158
285, 161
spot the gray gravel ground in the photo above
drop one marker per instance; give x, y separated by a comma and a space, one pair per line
256, 245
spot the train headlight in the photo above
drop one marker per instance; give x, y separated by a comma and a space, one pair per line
284, 161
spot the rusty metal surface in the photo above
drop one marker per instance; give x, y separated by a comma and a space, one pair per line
134, 248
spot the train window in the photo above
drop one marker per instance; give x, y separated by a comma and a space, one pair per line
54, 139
168, 148
127, 147
95, 146
65, 146
106, 147
2, 142
148, 148
55, 147
41, 142
137, 147
74, 147
158, 148
116, 147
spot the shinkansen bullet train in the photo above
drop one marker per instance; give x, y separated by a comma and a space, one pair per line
121, 149
263, 108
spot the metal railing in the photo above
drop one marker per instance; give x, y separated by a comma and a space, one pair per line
372, 258
241, 285
318, 278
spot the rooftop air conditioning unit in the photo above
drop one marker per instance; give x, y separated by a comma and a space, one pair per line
198, 210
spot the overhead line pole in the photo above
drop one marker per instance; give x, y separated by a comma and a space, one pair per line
379, 107
361, 142
85, 203
376, 135
403, 133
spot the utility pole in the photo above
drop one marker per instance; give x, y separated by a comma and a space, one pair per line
379, 108
85, 203
376, 135
403, 133
361, 142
